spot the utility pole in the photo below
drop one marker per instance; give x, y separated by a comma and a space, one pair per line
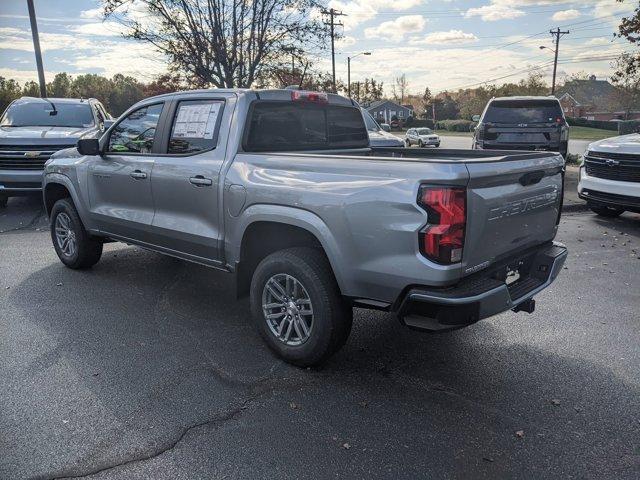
332, 24
556, 33
36, 47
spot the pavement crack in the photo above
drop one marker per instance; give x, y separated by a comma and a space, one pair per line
218, 419
28, 225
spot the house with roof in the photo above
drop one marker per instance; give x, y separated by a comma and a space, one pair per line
384, 111
592, 99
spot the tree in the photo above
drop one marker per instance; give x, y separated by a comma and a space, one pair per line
224, 43
629, 28
367, 91
9, 91
400, 88
125, 91
165, 83
31, 89
60, 87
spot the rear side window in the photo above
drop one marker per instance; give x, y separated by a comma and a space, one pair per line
524, 111
195, 126
293, 126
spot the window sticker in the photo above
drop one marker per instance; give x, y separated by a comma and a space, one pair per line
196, 121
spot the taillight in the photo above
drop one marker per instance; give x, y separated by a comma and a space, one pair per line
480, 131
306, 96
442, 240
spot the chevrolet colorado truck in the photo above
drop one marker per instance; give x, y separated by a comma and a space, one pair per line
281, 189
32, 129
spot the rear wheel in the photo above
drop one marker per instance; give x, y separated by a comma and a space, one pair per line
74, 246
297, 306
3, 200
606, 211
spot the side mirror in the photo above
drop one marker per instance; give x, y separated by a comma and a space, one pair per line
107, 123
88, 146
476, 118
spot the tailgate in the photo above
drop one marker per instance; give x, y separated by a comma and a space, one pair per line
523, 135
512, 204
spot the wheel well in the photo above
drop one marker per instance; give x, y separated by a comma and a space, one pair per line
261, 239
54, 192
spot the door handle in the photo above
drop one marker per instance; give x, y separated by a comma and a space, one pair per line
200, 181
138, 175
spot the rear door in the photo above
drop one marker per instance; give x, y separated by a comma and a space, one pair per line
512, 205
186, 178
119, 181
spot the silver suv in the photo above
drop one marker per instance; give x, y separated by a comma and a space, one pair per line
422, 137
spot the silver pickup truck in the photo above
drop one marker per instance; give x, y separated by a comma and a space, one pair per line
281, 189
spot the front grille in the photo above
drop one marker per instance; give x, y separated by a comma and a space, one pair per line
633, 157
613, 166
16, 157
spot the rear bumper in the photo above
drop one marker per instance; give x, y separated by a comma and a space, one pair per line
13, 182
482, 295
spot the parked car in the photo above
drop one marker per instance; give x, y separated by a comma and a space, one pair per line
280, 189
522, 123
422, 137
610, 175
32, 129
377, 136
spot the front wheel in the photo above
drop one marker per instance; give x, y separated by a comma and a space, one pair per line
297, 306
420, 144
407, 143
3, 200
606, 211
74, 246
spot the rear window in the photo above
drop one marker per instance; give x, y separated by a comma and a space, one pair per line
523, 111
292, 126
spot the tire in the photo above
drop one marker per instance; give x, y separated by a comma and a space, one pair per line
83, 250
437, 145
606, 211
329, 325
420, 144
3, 201
407, 143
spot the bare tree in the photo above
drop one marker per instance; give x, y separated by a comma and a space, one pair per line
400, 88
223, 43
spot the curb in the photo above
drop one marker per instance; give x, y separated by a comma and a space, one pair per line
575, 207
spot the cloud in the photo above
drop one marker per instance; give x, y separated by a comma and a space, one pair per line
360, 11
494, 12
93, 13
103, 29
443, 38
345, 41
397, 28
563, 15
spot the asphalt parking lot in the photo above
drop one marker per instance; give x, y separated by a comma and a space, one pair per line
146, 367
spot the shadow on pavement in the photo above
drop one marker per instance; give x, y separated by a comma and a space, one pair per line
145, 357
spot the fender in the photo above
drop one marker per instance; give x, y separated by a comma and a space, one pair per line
53, 177
293, 216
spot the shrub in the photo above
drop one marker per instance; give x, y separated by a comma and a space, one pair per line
419, 122
630, 126
455, 125
583, 122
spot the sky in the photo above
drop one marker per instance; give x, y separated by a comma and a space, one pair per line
442, 44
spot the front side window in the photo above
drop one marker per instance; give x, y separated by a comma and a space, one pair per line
195, 126
424, 131
47, 113
137, 131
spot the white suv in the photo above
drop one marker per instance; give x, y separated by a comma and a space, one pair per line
610, 175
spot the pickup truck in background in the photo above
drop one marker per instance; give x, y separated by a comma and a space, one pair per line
522, 123
32, 129
282, 190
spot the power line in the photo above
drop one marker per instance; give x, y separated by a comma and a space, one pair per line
558, 34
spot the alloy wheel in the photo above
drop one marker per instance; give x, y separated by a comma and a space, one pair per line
65, 235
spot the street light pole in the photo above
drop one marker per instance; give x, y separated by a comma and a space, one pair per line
349, 71
36, 48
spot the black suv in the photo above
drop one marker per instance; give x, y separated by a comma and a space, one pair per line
522, 123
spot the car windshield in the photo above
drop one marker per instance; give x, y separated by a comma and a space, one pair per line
523, 111
370, 123
46, 114
424, 131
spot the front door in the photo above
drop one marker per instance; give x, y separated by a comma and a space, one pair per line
119, 181
186, 181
